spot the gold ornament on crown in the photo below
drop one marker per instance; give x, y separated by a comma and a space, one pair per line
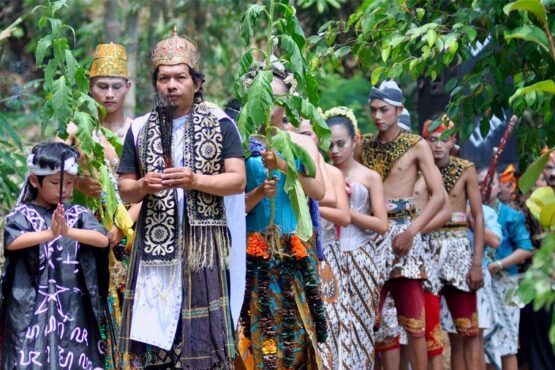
175, 50
110, 60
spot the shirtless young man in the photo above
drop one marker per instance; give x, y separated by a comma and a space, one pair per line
398, 156
459, 268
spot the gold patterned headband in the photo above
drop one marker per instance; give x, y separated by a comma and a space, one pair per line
175, 50
110, 60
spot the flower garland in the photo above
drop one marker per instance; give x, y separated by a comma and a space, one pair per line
294, 259
341, 111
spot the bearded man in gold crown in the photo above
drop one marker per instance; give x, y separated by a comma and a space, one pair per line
180, 160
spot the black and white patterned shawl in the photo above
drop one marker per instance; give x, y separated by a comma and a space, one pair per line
205, 224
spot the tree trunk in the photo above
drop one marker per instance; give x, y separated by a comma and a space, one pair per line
132, 47
111, 22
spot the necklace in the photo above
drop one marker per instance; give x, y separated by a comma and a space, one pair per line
382, 156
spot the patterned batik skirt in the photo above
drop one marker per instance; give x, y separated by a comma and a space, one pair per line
401, 212
336, 350
506, 336
455, 256
362, 268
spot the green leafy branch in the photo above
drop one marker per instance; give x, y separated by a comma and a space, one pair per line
421, 38
531, 33
285, 37
66, 87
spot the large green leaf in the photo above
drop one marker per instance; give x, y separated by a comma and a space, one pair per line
299, 202
42, 48
312, 89
248, 21
85, 126
71, 65
529, 33
282, 143
306, 159
294, 29
533, 6
62, 100
293, 55
297, 107
533, 172
112, 139
244, 65
259, 101
547, 86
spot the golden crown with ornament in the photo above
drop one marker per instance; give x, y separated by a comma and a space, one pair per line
110, 60
175, 50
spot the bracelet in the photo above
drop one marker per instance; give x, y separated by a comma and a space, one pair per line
499, 264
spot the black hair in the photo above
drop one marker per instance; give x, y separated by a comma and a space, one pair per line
233, 108
343, 121
49, 155
198, 79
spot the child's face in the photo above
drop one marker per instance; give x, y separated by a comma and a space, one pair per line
48, 193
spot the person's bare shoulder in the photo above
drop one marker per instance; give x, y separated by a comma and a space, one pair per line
421, 147
371, 177
333, 171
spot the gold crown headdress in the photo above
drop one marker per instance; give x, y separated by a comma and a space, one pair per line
110, 60
175, 50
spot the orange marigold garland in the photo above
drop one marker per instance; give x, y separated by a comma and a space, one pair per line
298, 247
257, 246
293, 259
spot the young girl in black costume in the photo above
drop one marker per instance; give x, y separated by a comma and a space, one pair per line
53, 284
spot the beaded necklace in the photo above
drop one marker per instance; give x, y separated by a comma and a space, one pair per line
453, 172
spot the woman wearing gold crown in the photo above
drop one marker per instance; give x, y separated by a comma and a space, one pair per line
180, 160
109, 86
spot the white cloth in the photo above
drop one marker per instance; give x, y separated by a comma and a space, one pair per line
157, 305
158, 294
237, 224
353, 237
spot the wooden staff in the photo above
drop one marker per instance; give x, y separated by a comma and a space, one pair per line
485, 189
62, 170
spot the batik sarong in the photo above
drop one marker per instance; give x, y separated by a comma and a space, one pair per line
336, 350
431, 253
364, 294
508, 312
455, 257
401, 212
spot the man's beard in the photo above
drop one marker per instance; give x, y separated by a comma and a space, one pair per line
165, 118
162, 102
